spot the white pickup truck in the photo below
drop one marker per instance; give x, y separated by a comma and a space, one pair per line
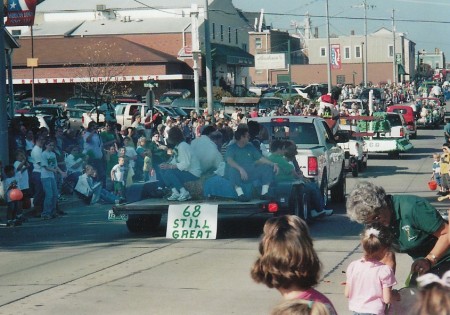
319, 156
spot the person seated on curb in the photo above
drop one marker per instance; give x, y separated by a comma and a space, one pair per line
246, 164
90, 190
289, 150
183, 166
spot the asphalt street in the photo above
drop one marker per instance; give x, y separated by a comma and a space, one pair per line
83, 264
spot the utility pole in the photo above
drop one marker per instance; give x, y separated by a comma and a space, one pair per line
4, 145
195, 54
366, 43
328, 50
394, 57
208, 61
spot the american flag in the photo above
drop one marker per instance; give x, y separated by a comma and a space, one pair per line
20, 12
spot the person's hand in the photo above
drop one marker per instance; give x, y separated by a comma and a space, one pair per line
396, 295
244, 175
421, 266
276, 169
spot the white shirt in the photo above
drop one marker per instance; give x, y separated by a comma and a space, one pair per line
207, 153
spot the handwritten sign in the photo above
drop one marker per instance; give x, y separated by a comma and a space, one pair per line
192, 221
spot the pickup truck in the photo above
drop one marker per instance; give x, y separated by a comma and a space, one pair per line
385, 133
320, 158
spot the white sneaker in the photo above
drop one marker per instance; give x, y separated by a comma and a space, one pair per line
324, 212
174, 196
184, 196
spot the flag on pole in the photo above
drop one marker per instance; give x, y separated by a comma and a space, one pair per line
20, 12
336, 56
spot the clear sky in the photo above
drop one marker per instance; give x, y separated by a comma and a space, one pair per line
425, 22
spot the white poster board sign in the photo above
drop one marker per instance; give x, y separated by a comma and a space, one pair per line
192, 221
270, 61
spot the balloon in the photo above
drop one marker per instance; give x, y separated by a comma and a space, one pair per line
15, 194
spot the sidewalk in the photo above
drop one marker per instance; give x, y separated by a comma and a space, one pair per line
71, 201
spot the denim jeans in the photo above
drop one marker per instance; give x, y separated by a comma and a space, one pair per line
38, 190
174, 178
51, 195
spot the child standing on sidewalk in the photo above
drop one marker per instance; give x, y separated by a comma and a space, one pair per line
445, 168
118, 177
436, 175
10, 183
369, 281
288, 262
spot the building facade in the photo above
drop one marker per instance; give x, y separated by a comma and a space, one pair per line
146, 39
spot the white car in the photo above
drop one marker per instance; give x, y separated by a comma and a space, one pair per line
98, 115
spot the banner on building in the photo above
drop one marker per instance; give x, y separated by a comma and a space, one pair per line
336, 57
20, 12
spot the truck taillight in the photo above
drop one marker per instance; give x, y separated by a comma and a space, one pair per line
272, 207
313, 166
402, 132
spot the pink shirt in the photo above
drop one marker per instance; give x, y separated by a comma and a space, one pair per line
366, 280
314, 295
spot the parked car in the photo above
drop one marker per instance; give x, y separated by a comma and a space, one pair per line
27, 103
268, 104
348, 103
409, 117
168, 97
312, 91
98, 115
53, 115
74, 100
75, 116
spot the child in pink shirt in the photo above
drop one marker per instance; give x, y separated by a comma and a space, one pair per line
288, 261
369, 281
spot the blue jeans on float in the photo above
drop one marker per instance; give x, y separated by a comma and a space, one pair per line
51, 196
174, 178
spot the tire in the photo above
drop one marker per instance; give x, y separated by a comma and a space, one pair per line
338, 191
394, 155
355, 170
361, 166
299, 203
324, 188
143, 223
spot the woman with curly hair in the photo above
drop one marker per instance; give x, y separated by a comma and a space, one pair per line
419, 228
288, 261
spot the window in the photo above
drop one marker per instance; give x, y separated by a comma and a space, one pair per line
221, 33
229, 34
214, 31
323, 52
358, 52
244, 47
258, 43
391, 51
347, 53
16, 33
236, 37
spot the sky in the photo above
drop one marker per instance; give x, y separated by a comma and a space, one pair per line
425, 22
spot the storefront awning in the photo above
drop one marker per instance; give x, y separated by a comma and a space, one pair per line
232, 55
401, 70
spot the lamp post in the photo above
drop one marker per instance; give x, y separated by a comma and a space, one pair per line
328, 51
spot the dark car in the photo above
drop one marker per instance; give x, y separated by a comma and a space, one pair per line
71, 102
378, 97
27, 103
52, 114
267, 104
168, 97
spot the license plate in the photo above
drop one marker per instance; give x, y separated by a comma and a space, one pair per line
113, 217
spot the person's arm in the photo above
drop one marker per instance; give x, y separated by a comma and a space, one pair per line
233, 164
387, 295
442, 245
347, 290
264, 160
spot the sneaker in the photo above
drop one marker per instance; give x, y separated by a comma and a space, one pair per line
17, 222
324, 212
46, 217
173, 197
185, 196
61, 213
243, 198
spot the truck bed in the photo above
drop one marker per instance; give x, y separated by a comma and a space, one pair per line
161, 206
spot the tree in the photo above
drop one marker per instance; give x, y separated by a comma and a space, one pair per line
100, 72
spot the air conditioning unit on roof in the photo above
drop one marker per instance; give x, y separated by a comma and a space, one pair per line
101, 7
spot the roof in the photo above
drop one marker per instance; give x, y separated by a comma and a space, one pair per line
57, 51
86, 5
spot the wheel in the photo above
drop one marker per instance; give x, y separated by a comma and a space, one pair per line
143, 223
394, 155
338, 191
324, 188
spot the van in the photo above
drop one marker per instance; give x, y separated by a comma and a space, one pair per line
409, 117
